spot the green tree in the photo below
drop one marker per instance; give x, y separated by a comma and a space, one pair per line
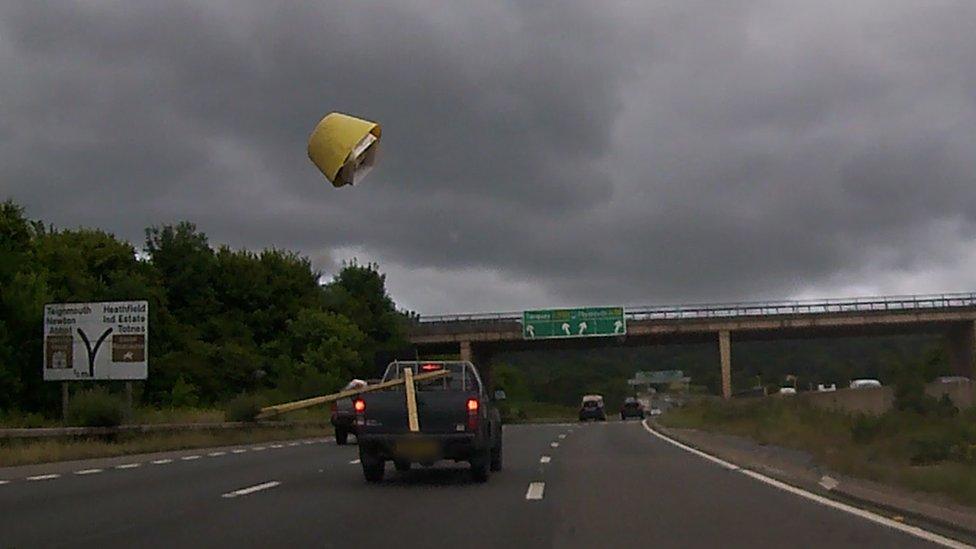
358, 292
23, 292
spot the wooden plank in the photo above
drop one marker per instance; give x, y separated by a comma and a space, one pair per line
411, 391
270, 411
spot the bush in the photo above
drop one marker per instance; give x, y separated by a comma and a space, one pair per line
96, 408
184, 394
244, 408
929, 449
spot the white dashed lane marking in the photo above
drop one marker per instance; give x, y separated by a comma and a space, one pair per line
252, 489
276, 446
2, 482
161, 461
128, 466
563, 435
545, 459
354, 462
238, 450
555, 445
293, 443
535, 491
44, 477
190, 458
89, 471
258, 448
215, 454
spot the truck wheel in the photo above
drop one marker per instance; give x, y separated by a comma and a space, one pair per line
373, 467
496, 457
480, 464
342, 437
401, 465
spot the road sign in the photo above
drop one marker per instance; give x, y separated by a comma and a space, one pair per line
569, 323
659, 377
107, 340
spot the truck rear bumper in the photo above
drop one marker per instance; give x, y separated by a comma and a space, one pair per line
459, 447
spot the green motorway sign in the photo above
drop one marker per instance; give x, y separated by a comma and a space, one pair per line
565, 323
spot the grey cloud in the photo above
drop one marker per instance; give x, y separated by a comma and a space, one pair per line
587, 152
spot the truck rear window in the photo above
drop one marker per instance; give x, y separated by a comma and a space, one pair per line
461, 376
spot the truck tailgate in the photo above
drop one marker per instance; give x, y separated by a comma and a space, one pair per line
438, 412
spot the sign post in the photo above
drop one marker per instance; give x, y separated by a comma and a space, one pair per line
572, 323
64, 401
96, 341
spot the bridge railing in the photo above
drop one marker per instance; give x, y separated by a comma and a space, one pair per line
755, 308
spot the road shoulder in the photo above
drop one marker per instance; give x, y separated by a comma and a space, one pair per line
798, 469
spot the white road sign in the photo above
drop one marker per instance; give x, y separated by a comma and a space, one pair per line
108, 340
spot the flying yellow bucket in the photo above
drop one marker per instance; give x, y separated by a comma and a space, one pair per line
344, 148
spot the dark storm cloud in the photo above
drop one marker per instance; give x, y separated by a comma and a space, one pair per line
585, 152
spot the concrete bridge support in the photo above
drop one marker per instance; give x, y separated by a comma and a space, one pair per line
725, 354
478, 356
961, 349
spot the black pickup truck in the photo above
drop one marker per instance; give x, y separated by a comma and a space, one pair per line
457, 421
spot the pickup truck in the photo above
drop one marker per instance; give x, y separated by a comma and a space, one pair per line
457, 421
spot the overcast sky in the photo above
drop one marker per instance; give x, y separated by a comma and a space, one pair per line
533, 154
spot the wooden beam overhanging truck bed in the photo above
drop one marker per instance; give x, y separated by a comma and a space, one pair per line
277, 409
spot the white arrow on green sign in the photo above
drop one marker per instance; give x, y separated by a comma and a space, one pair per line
571, 323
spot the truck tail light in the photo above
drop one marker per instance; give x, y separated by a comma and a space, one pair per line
360, 407
472, 407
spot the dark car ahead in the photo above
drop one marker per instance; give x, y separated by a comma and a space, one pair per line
592, 408
456, 419
343, 417
632, 408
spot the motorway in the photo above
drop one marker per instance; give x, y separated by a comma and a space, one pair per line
564, 485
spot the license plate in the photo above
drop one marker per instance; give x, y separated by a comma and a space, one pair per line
417, 448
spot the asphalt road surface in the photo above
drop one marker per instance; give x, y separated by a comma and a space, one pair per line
568, 485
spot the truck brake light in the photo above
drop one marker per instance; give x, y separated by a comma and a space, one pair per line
359, 405
472, 407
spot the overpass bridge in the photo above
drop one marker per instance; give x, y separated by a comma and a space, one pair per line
477, 337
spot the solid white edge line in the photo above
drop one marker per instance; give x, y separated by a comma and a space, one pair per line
88, 471
251, 489
44, 477
536, 490
827, 502
545, 459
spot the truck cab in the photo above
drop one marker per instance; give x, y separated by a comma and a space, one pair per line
457, 421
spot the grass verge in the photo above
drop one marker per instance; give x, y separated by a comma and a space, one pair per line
919, 452
24, 452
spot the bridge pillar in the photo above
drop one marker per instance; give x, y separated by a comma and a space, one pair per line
480, 357
725, 354
961, 349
